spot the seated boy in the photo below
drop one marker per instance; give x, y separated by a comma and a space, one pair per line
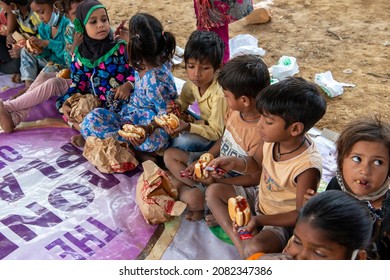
20, 18
242, 79
203, 55
291, 165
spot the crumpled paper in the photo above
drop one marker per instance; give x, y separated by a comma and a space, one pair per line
156, 197
81, 105
109, 155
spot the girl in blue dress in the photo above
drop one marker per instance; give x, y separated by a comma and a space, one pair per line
150, 51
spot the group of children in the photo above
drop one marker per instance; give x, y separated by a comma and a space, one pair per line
256, 132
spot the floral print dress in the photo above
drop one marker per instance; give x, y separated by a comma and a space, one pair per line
151, 94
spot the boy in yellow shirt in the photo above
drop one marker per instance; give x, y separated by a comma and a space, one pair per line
203, 58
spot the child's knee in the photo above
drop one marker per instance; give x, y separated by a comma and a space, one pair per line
172, 155
193, 197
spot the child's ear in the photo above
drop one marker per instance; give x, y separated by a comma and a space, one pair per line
245, 100
297, 128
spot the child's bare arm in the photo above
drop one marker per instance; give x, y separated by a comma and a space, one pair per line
249, 178
308, 179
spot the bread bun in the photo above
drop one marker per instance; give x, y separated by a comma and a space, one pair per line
170, 120
239, 210
200, 167
132, 131
64, 73
32, 48
20, 39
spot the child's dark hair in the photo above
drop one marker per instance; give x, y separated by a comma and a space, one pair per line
148, 42
370, 129
17, 2
343, 218
50, 2
294, 100
64, 6
244, 75
205, 46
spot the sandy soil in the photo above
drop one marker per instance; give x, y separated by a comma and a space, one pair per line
337, 35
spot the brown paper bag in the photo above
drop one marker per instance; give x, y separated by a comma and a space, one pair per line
81, 105
109, 155
156, 196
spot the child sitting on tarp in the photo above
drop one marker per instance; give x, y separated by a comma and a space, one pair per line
242, 79
20, 18
291, 165
203, 58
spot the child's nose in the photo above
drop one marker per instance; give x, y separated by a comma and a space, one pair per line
365, 168
197, 71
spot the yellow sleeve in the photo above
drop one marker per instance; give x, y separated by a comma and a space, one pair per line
186, 97
215, 125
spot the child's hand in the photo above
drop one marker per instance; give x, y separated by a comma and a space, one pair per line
10, 41
77, 39
173, 107
216, 172
15, 52
137, 141
189, 171
122, 92
206, 181
172, 132
122, 32
66, 112
250, 227
223, 163
39, 42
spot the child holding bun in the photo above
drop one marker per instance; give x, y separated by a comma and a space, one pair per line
203, 58
47, 85
241, 79
291, 164
150, 51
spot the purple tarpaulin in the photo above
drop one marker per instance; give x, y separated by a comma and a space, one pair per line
55, 205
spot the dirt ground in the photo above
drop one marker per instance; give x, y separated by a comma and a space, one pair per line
337, 35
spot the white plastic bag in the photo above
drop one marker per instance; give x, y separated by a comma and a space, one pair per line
287, 67
244, 44
331, 87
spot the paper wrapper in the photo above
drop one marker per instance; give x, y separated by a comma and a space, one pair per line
156, 196
81, 105
109, 155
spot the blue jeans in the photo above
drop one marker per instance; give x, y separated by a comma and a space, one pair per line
30, 65
191, 142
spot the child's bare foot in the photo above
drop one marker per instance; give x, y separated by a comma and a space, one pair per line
6, 122
211, 221
16, 78
194, 216
78, 140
